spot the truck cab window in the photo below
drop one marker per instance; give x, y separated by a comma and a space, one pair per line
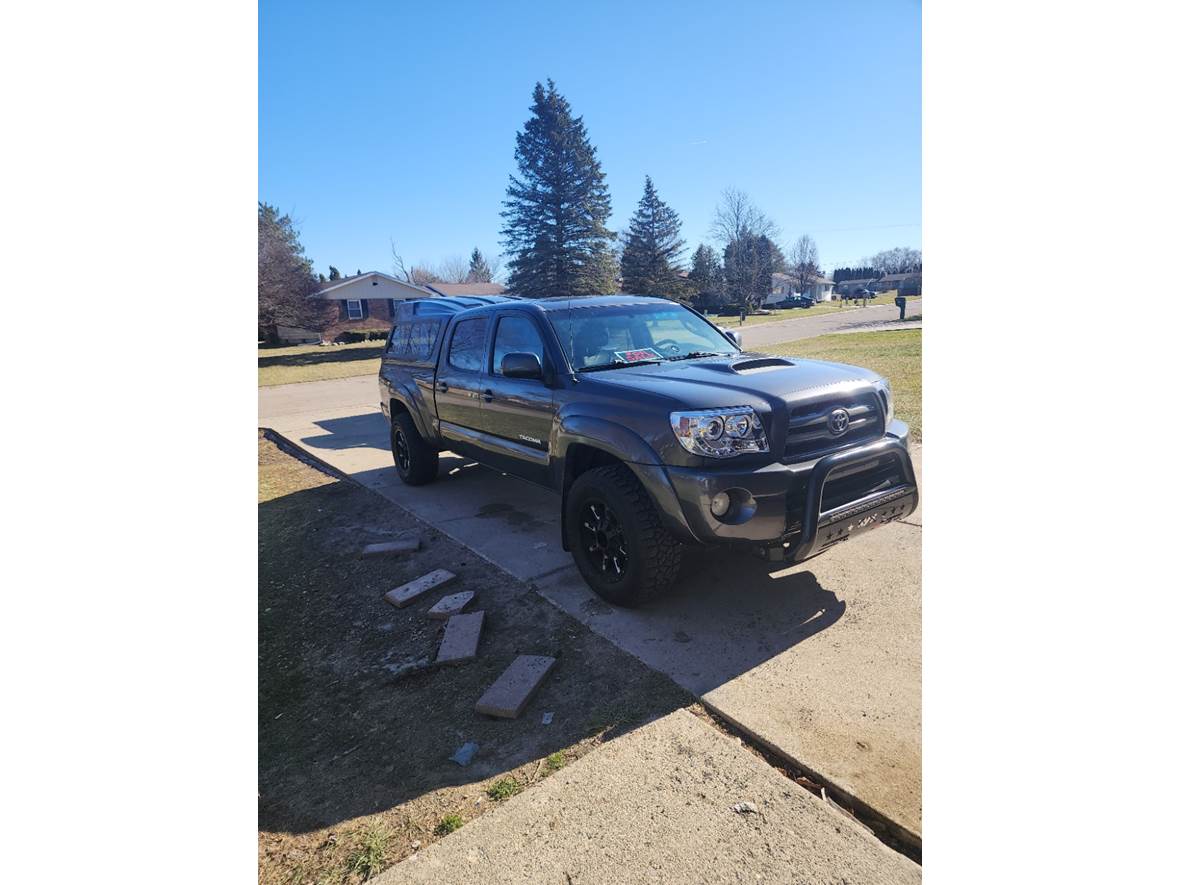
467, 345
515, 334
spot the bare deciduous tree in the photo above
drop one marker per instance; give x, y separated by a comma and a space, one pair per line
736, 217
901, 259
452, 269
803, 263
747, 236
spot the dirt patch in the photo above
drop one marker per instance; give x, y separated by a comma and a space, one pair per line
354, 734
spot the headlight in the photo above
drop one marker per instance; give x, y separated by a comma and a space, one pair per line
720, 433
887, 392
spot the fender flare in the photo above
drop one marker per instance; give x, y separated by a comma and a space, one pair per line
411, 398
629, 447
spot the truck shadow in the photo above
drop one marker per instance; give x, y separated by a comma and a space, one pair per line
728, 614
368, 431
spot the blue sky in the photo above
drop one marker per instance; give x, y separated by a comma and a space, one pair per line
396, 120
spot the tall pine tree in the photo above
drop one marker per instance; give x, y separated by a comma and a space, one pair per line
478, 271
651, 257
556, 208
707, 279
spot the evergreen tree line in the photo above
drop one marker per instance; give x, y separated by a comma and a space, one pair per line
555, 232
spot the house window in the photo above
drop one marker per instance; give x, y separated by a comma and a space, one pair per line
355, 311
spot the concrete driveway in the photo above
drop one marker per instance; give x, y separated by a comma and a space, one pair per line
821, 661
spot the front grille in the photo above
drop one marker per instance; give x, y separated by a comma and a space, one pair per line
809, 434
843, 486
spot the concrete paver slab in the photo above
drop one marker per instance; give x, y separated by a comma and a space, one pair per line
655, 805
407, 593
451, 605
508, 695
392, 548
460, 639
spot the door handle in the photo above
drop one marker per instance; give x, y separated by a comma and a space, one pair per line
442, 387
487, 396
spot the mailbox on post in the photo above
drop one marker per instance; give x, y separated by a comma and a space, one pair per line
900, 302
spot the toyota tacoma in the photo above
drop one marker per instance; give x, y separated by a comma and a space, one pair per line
653, 426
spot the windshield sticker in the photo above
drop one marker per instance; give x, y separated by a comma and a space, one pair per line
636, 356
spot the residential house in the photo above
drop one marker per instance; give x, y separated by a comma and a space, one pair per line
365, 301
782, 284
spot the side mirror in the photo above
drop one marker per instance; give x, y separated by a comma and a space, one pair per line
521, 365
736, 338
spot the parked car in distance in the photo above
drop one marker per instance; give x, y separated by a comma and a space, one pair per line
796, 301
652, 425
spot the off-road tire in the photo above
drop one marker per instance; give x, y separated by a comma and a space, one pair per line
653, 554
422, 466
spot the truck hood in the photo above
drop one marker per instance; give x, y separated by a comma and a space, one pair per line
761, 380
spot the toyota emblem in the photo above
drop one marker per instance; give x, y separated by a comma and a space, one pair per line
838, 421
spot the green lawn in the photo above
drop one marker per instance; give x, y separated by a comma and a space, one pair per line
313, 362
896, 355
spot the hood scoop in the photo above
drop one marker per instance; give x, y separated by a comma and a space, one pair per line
760, 364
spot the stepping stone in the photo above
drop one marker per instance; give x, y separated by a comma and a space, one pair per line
407, 593
392, 548
508, 694
451, 605
461, 638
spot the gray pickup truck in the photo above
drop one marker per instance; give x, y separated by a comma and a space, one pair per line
653, 426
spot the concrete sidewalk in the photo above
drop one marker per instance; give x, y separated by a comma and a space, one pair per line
655, 806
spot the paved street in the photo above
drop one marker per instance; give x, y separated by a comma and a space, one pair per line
822, 661
850, 318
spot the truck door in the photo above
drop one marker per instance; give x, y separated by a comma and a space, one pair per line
517, 412
460, 383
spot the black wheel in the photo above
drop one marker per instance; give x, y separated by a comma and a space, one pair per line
416, 462
620, 547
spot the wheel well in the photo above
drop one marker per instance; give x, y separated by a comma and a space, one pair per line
396, 407
578, 459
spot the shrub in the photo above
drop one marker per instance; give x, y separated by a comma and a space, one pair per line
448, 824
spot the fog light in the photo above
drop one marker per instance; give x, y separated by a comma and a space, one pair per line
720, 504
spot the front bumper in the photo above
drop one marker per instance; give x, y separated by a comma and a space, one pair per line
799, 510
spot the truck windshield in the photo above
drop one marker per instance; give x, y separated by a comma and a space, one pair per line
595, 337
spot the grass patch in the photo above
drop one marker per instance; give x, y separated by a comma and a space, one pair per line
313, 362
503, 788
371, 854
555, 761
896, 355
448, 824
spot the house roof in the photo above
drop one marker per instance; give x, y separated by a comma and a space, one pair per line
898, 277
344, 281
448, 289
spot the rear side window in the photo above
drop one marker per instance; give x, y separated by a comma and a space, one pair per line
467, 345
414, 341
515, 334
